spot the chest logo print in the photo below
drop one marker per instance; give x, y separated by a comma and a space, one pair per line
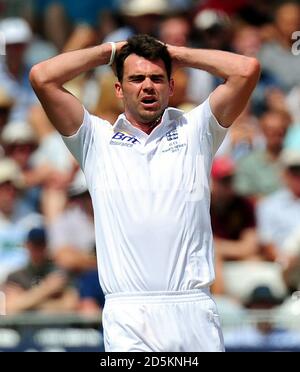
172, 135
173, 144
123, 139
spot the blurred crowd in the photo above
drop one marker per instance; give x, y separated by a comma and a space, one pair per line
47, 246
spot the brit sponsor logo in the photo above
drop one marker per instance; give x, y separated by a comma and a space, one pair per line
123, 139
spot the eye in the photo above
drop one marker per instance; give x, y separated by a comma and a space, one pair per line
136, 79
157, 79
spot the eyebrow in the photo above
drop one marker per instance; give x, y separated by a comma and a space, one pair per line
135, 76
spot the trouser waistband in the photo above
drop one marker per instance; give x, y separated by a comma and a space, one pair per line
157, 296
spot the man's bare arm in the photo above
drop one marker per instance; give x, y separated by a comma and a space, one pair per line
48, 77
19, 300
66, 303
246, 248
70, 258
240, 74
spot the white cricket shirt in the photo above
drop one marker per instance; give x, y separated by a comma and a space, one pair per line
151, 199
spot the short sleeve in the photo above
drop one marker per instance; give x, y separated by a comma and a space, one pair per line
207, 125
81, 142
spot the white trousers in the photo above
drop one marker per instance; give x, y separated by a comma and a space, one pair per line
162, 322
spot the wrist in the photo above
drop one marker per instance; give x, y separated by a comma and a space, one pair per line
113, 52
176, 54
172, 50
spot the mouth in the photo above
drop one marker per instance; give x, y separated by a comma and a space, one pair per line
149, 102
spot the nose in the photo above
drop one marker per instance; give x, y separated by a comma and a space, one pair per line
148, 85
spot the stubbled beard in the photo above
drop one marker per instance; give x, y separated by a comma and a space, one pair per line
151, 117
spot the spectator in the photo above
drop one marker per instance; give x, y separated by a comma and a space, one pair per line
259, 173
14, 7
108, 105
233, 216
292, 140
291, 271
12, 228
175, 30
91, 297
51, 151
214, 29
13, 70
39, 285
59, 18
41, 180
257, 12
279, 213
20, 142
72, 236
247, 40
276, 55
140, 17
6, 103
243, 137
192, 86
293, 105
54, 166
230, 7
263, 335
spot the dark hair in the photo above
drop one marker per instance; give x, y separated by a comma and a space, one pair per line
37, 235
143, 46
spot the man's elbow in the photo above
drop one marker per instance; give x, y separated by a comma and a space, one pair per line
252, 69
37, 76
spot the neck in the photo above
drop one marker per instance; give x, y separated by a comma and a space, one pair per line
7, 214
285, 41
38, 262
15, 70
274, 152
146, 127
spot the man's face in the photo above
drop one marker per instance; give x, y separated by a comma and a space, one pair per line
274, 129
8, 195
145, 89
292, 178
15, 57
222, 188
175, 31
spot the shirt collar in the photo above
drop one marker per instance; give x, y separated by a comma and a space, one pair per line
169, 115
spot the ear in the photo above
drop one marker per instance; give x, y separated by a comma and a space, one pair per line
171, 87
119, 90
